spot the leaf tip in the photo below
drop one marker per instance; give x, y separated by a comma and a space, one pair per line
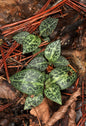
60, 102
26, 108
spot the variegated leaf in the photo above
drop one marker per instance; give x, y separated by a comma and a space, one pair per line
52, 51
33, 101
47, 39
28, 81
20, 37
52, 91
47, 26
31, 43
63, 76
61, 61
37, 50
38, 63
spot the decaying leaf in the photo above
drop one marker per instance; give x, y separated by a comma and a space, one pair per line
47, 26
33, 123
80, 61
42, 111
72, 115
83, 42
7, 91
78, 58
63, 109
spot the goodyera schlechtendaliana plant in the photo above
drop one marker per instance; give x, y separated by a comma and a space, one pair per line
34, 80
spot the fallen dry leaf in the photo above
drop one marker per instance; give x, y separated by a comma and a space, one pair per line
63, 109
6, 90
42, 111
4, 122
33, 123
83, 42
72, 115
78, 58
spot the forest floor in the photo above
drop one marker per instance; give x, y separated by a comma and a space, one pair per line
71, 29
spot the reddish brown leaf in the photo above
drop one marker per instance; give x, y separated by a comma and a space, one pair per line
41, 111
6, 90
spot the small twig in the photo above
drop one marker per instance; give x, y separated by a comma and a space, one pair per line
72, 115
76, 84
2, 107
15, 60
15, 66
44, 7
79, 3
5, 65
12, 48
72, 67
81, 122
83, 111
38, 117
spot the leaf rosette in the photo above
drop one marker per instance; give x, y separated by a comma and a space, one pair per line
34, 80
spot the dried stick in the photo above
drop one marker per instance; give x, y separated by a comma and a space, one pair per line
37, 117
72, 115
2, 107
63, 109
11, 49
5, 65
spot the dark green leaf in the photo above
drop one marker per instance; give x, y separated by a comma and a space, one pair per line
52, 92
37, 50
38, 63
33, 101
47, 26
20, 37
61, 61
47, 39
28, 81
63, 76
52, 51
31, 43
